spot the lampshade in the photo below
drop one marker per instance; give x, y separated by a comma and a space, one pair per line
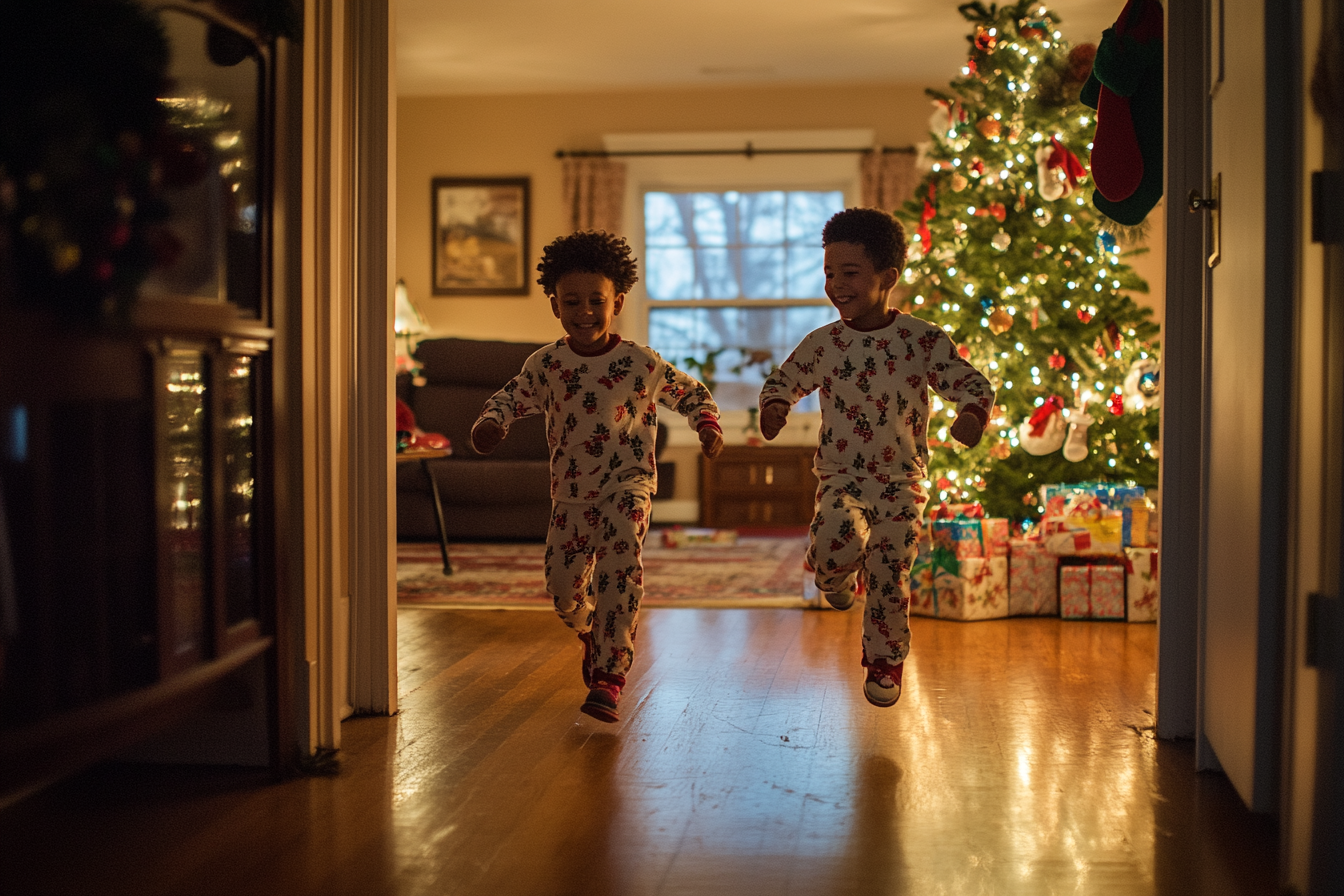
406, 318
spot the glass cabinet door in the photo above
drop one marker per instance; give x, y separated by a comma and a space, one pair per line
182, 507
238, 460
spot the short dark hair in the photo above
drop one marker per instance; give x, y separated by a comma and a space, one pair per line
881, 235
588, 252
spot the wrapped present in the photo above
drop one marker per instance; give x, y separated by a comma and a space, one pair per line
994, 535
1141, 584
961, 536
1092, 591
923, 596
980, 591
1084, 526
1138, 513
946, 511
1033, 579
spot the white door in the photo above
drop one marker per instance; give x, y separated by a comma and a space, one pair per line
1247, 384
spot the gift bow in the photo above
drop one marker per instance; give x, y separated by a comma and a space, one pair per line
1063, 157
1042, 416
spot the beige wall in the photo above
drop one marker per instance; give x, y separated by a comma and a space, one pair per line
507, 136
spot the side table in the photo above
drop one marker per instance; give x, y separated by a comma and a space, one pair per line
424, 456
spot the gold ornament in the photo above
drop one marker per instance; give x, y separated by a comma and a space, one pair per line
1000, 451
1000, 322
988, 127
959, 183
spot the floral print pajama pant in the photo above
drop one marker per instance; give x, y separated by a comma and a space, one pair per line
595, 574
861, 525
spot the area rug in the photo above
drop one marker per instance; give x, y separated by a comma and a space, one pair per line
756, 571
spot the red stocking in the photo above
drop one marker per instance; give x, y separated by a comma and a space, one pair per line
1117, 163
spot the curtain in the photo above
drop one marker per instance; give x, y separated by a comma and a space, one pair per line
594, 194
888, 179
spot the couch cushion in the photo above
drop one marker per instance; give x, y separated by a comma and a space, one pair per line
472, 362
452, 409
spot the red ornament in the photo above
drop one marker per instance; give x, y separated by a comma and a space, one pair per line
998, 211
1084, 315
1056, 361
963, 351
1117, 403
984, 41
1113, 334
1035, 318
970, 66
944, 483
977, 167
1031, 33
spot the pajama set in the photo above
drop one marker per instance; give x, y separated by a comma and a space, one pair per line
601, 423
872, 456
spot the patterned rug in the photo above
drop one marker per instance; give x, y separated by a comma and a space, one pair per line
756, 571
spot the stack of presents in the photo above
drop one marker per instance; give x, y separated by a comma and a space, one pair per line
1090, 557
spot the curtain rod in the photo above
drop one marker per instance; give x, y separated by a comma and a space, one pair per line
747, 151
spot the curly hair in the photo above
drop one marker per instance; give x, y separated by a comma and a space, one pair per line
881, 235
589, 252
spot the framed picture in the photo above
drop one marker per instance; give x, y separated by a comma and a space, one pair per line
480, 236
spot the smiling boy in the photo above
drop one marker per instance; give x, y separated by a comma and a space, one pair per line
874, 369
600, 395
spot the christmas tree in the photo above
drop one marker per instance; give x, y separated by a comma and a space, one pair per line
1008, 254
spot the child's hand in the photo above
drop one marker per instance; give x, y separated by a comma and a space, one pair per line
486, 436
968, 428
772, 419
711, 442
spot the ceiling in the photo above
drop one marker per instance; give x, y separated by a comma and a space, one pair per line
564, 46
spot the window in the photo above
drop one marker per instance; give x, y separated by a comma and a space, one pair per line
734, 280
729, 249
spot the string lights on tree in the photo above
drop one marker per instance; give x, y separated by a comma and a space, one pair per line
1011, 258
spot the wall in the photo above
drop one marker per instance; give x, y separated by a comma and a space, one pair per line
509, 136
518, 135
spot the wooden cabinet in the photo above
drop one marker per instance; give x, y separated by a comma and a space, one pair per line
766, 486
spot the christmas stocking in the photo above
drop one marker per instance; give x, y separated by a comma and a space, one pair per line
1075, 444
1125, 88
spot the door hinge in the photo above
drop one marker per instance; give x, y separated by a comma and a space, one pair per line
1321, 611
1327, 217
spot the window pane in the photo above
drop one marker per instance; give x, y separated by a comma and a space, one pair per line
807, 277
809, 211
763, 273
669, 273
714, 218
744, 344
715, 278
762, 218
663, 224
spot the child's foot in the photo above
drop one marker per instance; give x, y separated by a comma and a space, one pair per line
587, 639
603, 697
882, 686
844, 598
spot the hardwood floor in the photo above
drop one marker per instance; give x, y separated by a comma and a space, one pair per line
1020, 760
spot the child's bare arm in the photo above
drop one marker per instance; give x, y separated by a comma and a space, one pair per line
773, 417
969, 426
486, 436
711, 442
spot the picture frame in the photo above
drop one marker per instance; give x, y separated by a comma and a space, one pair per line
479, 236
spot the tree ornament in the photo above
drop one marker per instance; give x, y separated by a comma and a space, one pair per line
1143, 384
989, 128
959, 227
987, 304
1126, 88
1001, 241
1043, 432
1117, 403
1084, 315
1056, 360
1113, 335
984, 41
1075, 445
1041, 216
1000, 322
964, 351
977, 167
1057, 170
1000, 450
959, 182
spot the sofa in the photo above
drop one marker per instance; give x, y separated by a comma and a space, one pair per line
503, 497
